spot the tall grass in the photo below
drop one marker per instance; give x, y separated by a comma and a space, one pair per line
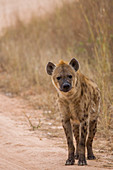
79, 29
103, 57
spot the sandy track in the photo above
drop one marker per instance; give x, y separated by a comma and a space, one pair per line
22, 149
19, 147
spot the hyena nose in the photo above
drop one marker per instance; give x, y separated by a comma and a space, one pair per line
66, 87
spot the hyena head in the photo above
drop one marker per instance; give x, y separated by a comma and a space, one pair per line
64, 76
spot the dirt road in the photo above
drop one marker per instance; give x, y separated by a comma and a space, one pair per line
22, 149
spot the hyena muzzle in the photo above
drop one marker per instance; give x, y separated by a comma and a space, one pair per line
79, 103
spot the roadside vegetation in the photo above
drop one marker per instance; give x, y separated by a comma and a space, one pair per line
78, 29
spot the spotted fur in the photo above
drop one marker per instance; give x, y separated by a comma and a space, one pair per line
79, 103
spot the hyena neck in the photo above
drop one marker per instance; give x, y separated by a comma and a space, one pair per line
77, 89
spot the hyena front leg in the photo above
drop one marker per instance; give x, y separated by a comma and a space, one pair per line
92, 131
82, 141
76, 135
68, 132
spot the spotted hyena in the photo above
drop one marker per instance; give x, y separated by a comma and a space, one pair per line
79, 103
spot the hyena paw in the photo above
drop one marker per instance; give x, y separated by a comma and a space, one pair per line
91, 157
82, 162
76, 156
70, 161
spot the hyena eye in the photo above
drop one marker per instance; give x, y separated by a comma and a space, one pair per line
58, 78
70, 76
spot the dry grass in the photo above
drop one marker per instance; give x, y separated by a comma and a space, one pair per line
79, 29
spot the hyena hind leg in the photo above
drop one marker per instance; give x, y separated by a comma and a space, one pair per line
92, 131
82, 141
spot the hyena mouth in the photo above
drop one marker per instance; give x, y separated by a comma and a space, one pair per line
66, 87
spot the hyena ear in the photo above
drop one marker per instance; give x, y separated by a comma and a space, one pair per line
74, 63
50, 67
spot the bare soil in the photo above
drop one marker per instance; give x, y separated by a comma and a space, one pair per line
24, 148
